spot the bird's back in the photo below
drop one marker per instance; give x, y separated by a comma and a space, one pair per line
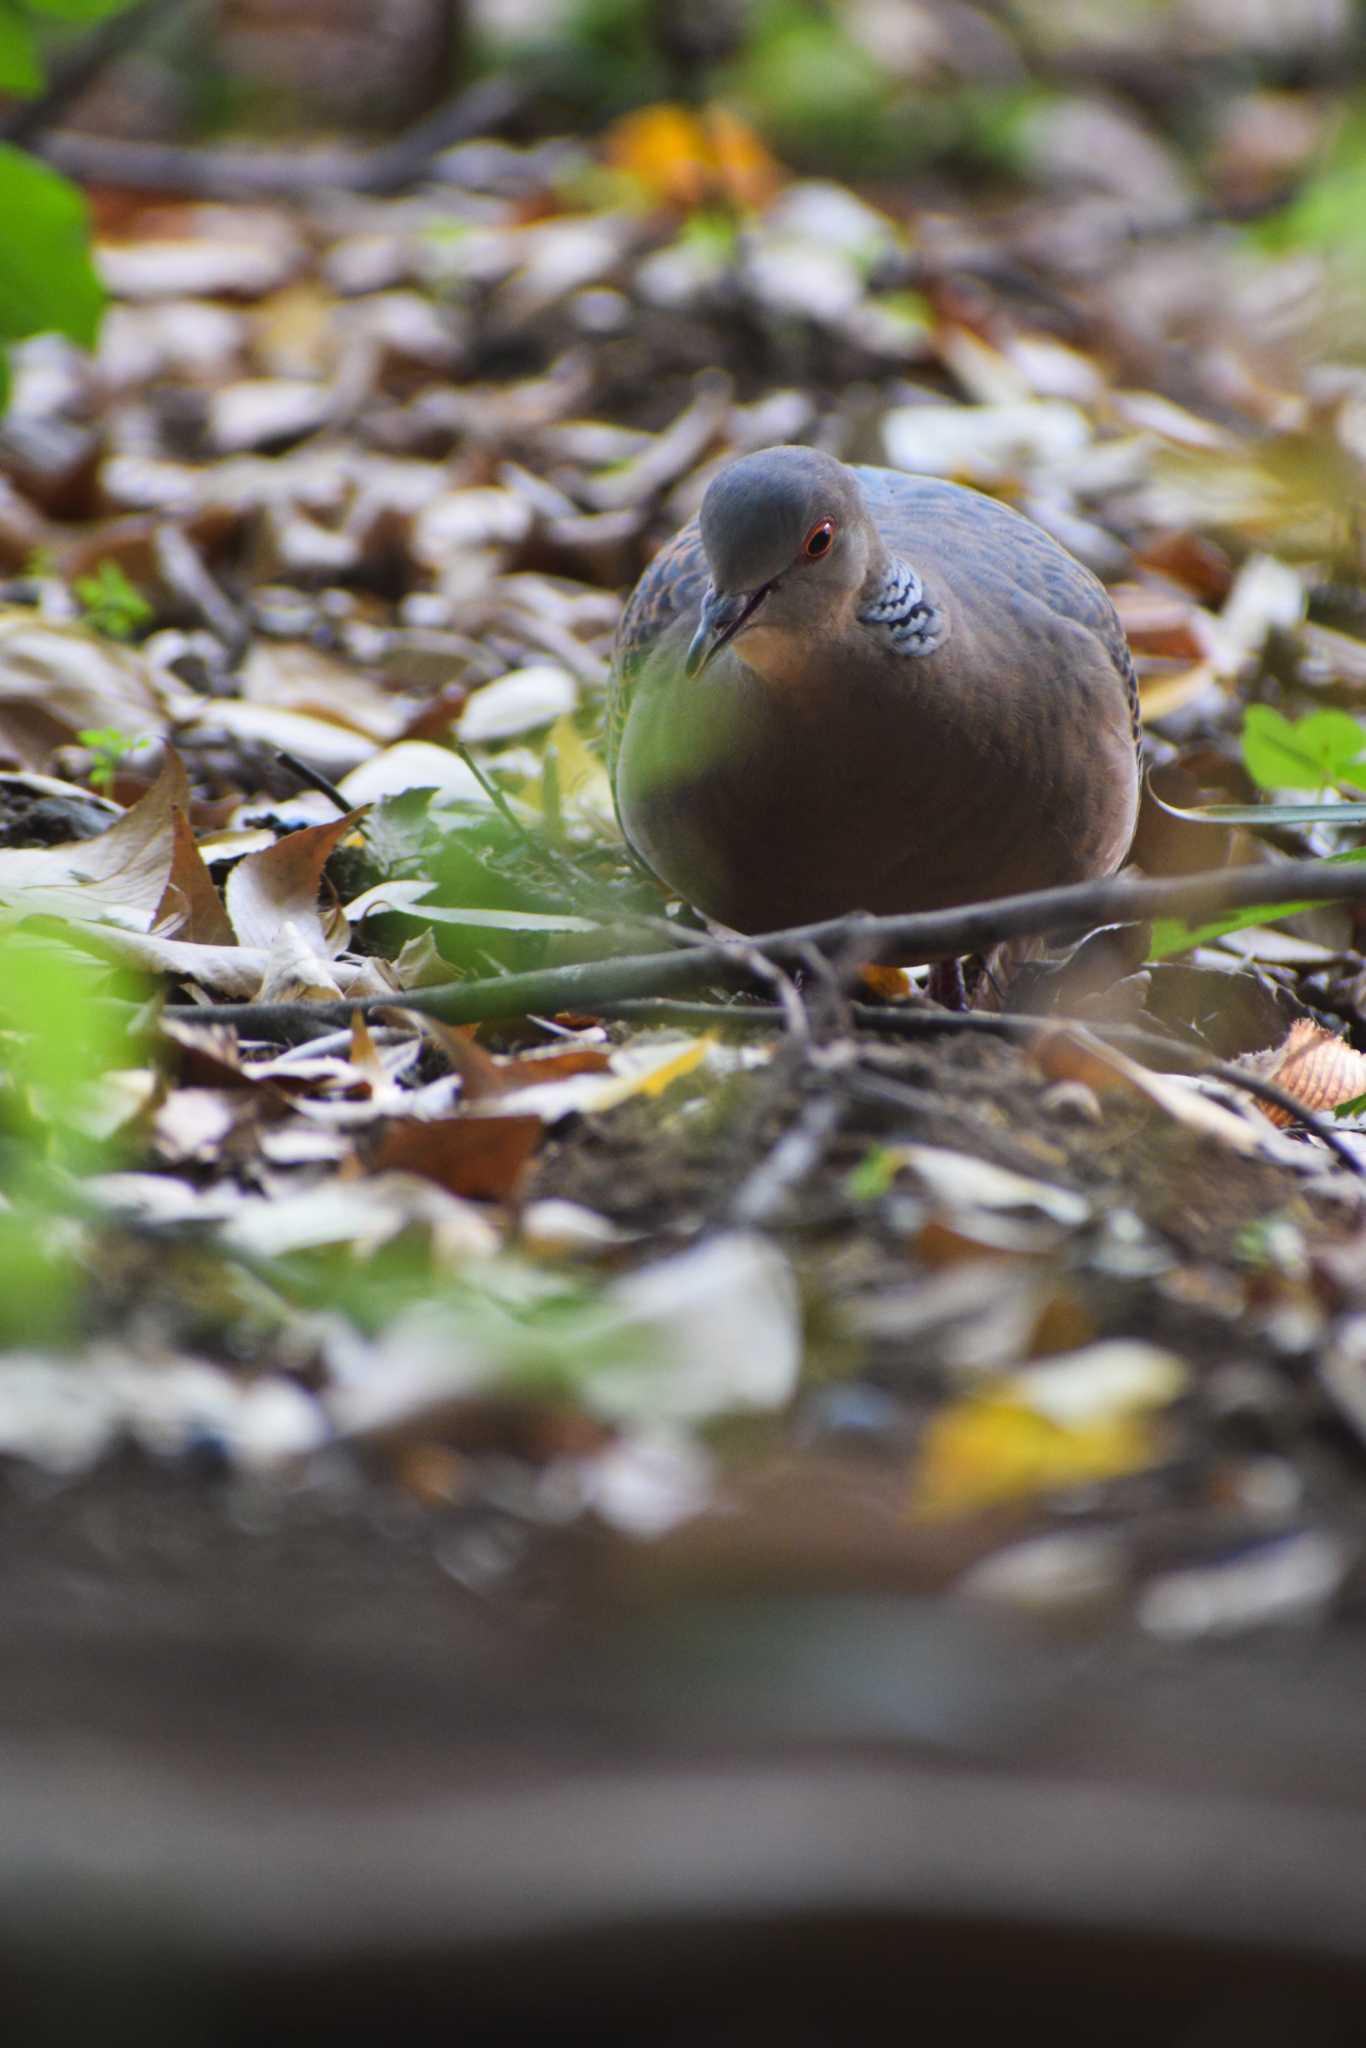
965, 536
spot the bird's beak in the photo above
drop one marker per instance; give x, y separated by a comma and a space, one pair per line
722, 618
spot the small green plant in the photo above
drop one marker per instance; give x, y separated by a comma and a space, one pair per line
873, 1176
1324, 750
110, 604
109, 747
1324, 754
60, 1039
48, 283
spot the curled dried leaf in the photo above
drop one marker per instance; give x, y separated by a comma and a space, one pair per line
1316, 1067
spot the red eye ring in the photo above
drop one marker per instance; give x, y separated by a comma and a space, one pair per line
820, 540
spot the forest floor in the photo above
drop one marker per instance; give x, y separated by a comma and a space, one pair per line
792, 1288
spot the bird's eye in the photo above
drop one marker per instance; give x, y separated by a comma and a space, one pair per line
819, 541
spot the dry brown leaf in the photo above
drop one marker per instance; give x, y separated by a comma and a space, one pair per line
1315, 1066
267, 889
209, 1053
478, 1070
481, 1156
233, 972
334, 748
190, 893
296, 970
1166, 692
364, 1054
56, 681
1065, 1055
1190, 559
745, 171
889, 984
121, 874
1158, 622
482, 1076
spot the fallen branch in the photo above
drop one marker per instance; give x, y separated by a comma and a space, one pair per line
74, 75
1065, 913
245, 173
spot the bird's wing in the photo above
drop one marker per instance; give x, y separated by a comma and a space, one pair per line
913, 511
670, 590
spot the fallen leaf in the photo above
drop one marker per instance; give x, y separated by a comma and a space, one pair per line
1065, 1055
479, 1156
1162, 694
296, 970
190, 896
484, 1077
664, 148
889, 984
282, 883
518, 702
962, 1182
985, 444
1157, 622
56, 681
363, 1213
121, 874
1317, 1067
631, 1070
1079, 1419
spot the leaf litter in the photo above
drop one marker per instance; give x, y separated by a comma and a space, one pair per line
379, 472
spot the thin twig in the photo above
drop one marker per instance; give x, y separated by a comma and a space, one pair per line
286, 173
797, 1153
74, 74
894, 1021
312, 778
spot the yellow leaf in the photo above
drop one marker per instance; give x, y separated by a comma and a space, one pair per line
656, 1079
665, 149
679, 159
584, 788
990, 1449
744, 170
1069, 1421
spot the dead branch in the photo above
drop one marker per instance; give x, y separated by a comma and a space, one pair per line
1063, 913
230, 173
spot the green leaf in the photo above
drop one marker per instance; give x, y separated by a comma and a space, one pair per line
873, 1175
47, 280
111, 604
79, 10
21, 65
499, 920
1265, 814
1173, 935
1308, 753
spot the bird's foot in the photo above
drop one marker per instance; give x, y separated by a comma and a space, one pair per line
946, 985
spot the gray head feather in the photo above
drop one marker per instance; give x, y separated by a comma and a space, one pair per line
758, 512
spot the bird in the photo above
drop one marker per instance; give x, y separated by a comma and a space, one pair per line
845, 688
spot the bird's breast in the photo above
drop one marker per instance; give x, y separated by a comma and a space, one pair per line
768, 799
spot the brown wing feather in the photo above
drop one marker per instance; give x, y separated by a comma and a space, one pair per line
670, 590
906, 506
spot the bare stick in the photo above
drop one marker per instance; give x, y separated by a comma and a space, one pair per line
245, 173
76, 73
1060, 913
